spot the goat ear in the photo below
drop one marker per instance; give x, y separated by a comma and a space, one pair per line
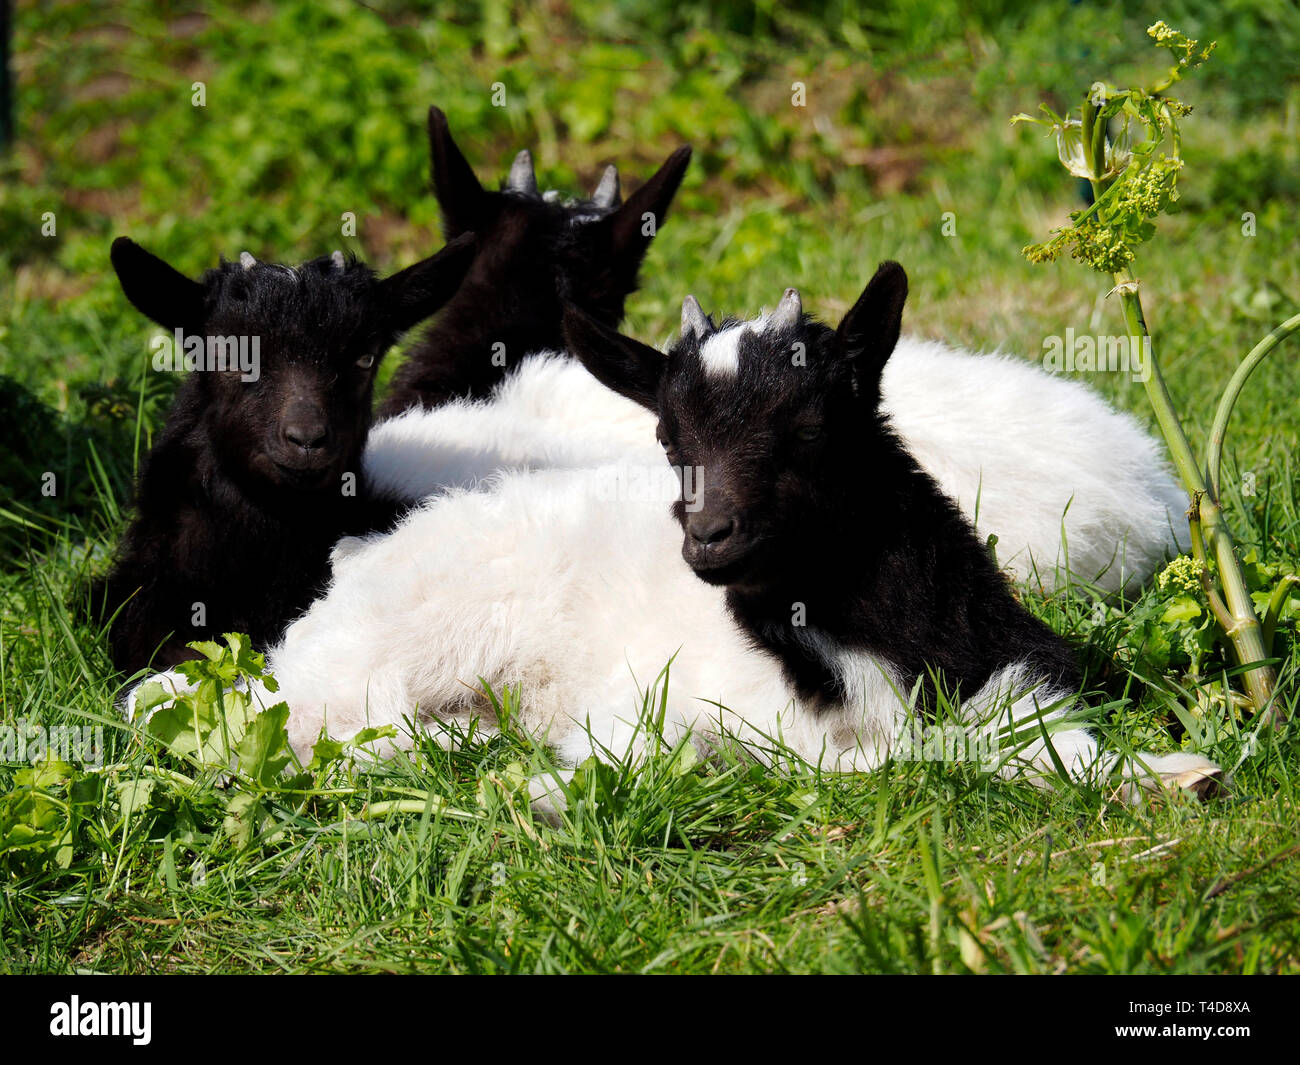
630, 368
634, 224
869, 331
460, 196
158, 291
411, 295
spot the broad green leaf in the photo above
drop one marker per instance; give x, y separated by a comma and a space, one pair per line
245, 818
134, 795
1182, 608
46, 773
264, 749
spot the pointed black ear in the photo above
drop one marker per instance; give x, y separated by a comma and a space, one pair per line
627, 366
634, 224
155, 289
411, 295
459, 193
869, 331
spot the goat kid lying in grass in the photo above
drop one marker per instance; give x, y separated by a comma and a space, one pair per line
816, 610
257, 472
840, 555
1040, 461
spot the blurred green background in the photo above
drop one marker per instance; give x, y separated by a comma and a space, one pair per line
316, 108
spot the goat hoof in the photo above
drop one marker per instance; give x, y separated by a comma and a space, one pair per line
1196, 776
171, 681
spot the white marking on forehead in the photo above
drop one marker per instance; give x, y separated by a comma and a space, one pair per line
720, 352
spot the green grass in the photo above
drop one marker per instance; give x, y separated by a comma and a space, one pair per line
316, 109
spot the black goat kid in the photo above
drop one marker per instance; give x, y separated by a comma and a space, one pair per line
534, 253
257, 471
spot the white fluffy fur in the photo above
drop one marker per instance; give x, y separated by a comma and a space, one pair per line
1039, 460
550, 414
540, 581
1027, 455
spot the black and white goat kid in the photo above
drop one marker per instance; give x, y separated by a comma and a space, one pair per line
839, 554
257, 474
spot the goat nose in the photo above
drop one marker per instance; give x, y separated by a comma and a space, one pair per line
710, 528
306, 432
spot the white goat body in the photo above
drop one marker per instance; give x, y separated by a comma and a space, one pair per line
543, 581
1042, 462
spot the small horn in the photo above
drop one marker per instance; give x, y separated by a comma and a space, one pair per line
693, 318
789, 312
246, 260
608, 193
336, 257
522, 179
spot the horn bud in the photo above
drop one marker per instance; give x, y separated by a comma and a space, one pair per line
789, 312
693, 318
522, 179
608, 192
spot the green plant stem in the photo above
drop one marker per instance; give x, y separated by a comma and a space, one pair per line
1221, 612
434, 804
1158, 392
1243, 629
1219, 428
149, 771
1094, 139
1275, 604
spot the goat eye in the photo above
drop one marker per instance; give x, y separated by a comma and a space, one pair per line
663, 443
366, 361
808, 433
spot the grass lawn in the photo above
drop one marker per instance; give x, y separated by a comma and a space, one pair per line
902, 149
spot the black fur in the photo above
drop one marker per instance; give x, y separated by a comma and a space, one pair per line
813, 508
244, 494
534, 254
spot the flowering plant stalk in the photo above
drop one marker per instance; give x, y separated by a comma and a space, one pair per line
1134, 179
